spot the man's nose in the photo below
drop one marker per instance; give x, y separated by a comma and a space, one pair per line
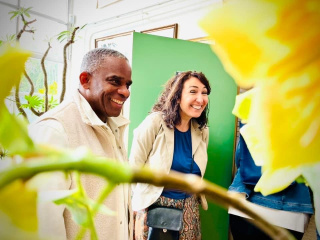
124, 91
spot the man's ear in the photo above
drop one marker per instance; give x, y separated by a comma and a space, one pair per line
85, 80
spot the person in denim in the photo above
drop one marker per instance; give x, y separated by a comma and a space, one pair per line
290, 208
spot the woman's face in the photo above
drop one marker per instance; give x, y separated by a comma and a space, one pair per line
194, 99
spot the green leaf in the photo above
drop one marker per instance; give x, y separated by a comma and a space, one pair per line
81, 207
53, 102
13, 133
12, 37
10, 40
301, 179
34, 101
27, 14
19, 204
3, 152
25, 105
62, 38
63, 35
14, 14
28, 9
78, 208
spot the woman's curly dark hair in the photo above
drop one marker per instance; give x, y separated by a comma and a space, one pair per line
168, 102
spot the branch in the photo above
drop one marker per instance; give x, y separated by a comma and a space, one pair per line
18, 103
17, 91
31, 93
30, 82
45, 78
64, 74
25, 25
120, 173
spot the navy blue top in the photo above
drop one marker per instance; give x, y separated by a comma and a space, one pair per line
182, 161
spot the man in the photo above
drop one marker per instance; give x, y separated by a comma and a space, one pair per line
92, 119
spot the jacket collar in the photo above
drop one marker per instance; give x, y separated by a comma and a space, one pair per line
90, 117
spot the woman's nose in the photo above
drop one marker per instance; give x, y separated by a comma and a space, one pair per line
200, 98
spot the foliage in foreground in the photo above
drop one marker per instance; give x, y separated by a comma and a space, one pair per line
46, 99
18, 195
263, 46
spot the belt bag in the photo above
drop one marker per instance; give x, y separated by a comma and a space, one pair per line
164, 223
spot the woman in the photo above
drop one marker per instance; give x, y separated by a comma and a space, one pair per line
289, 209
173, 137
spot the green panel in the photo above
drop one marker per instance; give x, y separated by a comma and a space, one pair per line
154, 60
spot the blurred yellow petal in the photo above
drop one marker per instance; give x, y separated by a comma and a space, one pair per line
274, 46
239, 30
12, 232
273, 182
242, 105
256, 146
285, 116
303, 40
19, 204
292, 110
13, 137
12, 61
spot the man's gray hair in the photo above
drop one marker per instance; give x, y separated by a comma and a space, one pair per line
92, 60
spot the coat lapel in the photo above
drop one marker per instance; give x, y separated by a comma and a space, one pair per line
169, 138
196, 136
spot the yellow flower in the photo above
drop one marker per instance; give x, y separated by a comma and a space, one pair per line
53, 89
273, 46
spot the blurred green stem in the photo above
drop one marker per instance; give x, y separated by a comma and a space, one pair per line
121, 173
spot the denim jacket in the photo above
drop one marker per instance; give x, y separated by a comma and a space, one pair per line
295, 198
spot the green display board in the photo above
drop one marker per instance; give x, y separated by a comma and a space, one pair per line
156, 59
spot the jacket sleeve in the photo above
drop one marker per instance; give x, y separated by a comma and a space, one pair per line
143, 139
53, 185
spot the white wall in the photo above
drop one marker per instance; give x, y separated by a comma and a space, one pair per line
128, 15
51, 19
121, 16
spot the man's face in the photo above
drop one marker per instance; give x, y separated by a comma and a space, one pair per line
108, 87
